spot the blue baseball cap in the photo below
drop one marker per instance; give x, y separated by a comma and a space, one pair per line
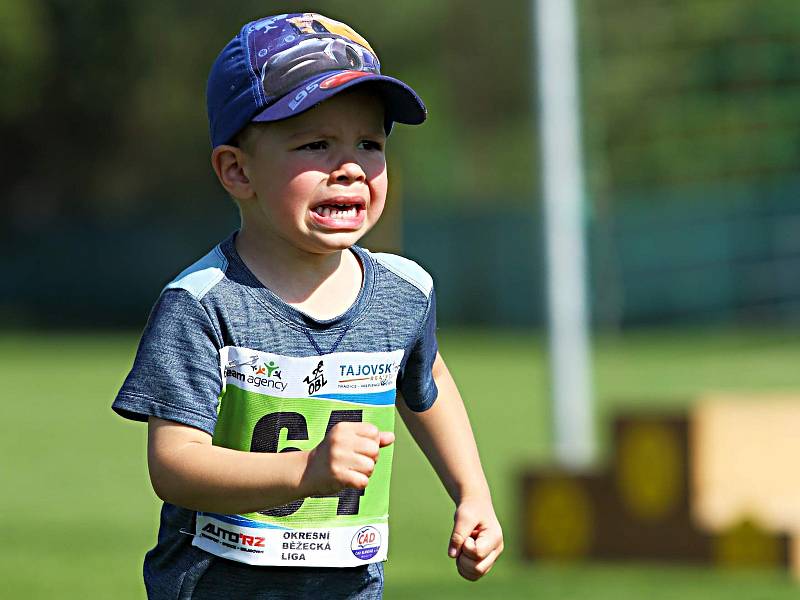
278, 67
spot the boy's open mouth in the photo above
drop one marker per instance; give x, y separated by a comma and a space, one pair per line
340, 212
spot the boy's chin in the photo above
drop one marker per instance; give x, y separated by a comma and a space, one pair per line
341, 239
335, 242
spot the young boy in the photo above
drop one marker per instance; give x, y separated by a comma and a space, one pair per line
269, 370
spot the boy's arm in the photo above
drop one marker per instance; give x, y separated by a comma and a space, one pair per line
186, 470
444, 434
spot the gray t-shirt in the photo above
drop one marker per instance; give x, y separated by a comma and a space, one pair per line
217, 303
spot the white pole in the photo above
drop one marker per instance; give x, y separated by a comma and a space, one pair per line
563, 188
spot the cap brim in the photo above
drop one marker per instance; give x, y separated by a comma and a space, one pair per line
403, 105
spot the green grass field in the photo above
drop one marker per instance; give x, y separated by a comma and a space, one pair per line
78, 512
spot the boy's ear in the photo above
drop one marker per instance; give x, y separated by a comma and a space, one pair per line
228, 164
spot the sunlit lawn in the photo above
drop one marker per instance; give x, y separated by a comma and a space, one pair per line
78, 512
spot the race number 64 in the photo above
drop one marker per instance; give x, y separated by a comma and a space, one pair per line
266, 436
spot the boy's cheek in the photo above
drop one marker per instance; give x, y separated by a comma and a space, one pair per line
375, 209
378, 174
379, 186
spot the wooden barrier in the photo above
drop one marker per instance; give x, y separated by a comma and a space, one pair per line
642, 506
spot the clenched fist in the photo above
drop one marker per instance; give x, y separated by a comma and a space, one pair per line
345, 458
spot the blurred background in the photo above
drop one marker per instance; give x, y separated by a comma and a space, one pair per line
691, 141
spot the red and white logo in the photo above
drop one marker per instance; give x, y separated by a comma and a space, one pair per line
340, 78
366, 543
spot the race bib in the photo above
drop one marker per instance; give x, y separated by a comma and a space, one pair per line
274, 403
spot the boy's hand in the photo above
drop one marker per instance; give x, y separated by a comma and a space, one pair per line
345, 458
477, 539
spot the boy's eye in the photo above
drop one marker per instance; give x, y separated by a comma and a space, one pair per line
370, 145
317, 145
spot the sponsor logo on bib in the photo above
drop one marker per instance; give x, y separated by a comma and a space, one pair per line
366, 543
256, 373
316, 379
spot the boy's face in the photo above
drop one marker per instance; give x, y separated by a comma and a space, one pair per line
318, 179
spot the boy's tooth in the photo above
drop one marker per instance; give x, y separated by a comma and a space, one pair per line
337, 211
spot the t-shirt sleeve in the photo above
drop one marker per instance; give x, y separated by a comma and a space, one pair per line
415, 380
176, 372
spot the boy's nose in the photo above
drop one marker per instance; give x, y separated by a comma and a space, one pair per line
348, 171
